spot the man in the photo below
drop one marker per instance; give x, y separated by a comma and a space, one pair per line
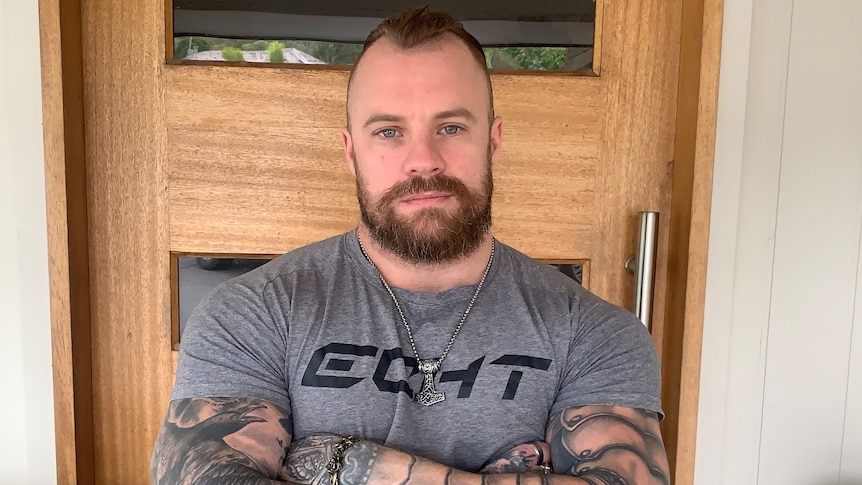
417, 348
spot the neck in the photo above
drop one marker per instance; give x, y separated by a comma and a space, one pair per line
431, 278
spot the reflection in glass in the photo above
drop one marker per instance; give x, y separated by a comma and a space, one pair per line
535, 35
198, 276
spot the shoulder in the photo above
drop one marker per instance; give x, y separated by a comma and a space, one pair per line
262, 297
277, 279
587, 310
543, 280
317, 258
540, 276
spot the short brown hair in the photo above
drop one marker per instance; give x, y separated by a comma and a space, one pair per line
421, 26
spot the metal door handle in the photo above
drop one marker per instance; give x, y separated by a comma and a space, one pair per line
642, 267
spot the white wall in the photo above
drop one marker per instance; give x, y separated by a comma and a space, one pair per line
781, 385
27, 453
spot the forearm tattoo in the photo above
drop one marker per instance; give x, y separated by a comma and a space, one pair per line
359, 461
367, 463
247, 441
608, 446
307, 458
221, 441
590, 445
521, 479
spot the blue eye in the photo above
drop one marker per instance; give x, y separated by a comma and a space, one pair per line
451, 130
388, 133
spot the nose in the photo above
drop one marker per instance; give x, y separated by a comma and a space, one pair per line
424, 158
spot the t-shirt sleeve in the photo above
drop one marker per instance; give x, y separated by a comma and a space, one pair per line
232, 346
612, 360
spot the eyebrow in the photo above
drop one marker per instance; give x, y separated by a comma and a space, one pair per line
451, 113
456, 113
378, 118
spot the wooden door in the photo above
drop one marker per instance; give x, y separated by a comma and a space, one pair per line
205, 159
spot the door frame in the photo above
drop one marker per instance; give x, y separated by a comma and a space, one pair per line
68, 250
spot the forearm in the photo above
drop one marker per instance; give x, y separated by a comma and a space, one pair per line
223, 472
592, 445
371, 464
368, 463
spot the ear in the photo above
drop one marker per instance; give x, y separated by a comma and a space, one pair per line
496, 139
349, 155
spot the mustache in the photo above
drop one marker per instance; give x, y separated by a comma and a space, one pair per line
418, 185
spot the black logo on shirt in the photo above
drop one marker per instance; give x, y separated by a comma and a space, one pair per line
467, 377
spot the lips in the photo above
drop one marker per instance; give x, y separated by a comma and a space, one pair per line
427, 196
420, 191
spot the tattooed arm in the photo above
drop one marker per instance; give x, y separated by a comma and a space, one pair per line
248, 441
242, 440
368, 463
589, 445
222, 441
608, 445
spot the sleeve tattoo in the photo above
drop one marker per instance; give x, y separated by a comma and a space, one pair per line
249, 441
221, 441
590, 445
608, 445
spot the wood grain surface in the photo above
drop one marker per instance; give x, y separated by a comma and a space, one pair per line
637, 140
256, 164
58, 241
597, 37
123, 47
702, 158
68, 262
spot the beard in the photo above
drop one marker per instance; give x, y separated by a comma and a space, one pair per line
429, 236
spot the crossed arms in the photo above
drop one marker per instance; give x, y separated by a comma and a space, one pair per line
249, 441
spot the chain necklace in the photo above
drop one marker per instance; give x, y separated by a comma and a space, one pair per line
429, 367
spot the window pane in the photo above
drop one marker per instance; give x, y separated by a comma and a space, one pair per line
535, 35
199, 276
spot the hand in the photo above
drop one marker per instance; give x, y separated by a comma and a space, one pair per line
524, 458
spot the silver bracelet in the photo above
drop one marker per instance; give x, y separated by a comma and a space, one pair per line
337, 460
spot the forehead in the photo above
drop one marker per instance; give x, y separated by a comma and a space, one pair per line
439, 76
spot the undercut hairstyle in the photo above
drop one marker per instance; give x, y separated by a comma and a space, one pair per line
417, 27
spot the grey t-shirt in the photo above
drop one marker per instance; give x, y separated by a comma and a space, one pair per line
316, 333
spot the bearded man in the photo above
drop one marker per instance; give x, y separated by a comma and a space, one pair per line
417, 348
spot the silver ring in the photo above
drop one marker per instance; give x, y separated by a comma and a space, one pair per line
540, 455
545, 468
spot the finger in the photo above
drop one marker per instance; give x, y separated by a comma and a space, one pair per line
545, 449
